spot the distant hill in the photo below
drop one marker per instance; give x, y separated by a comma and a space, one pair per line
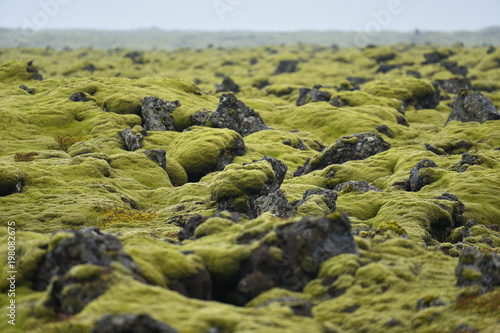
155, 38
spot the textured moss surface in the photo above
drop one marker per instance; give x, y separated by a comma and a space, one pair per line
408, 241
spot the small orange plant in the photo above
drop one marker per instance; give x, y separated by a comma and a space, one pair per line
28, 157
110, 215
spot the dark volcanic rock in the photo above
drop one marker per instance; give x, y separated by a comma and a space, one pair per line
11, 180
356, 186
468, 159
384, 129
227, 158
227, 85
199, 118
384, 68
136, 56
434, 57
453, 68
90, 68
28, 90
276, 203
418, 181
415, 74
234, 114
437, 151
78, 97
305, 245
357, 80
330, 197
315, 95
188, 231
471, 106
458, 209
353, 147
159, 156
130, 323
286, 66
427, 302
441, 227
87, 246
478, 268
32, 69
69, 295
270, 198
132, 141
453, 86
156, 114
429, 101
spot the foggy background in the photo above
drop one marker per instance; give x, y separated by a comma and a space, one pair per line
250, 15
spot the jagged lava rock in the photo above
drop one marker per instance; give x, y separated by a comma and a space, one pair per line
156, 114
87, 246
132, 141
305, 245
417, 181
286, 66
478, 268
136, 323
471, 106
227, 85
252, 188
78, 97
307, 95
330, 197
352, 147
356, 186
454, 85
234, 114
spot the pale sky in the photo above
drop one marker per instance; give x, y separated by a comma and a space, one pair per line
255, 15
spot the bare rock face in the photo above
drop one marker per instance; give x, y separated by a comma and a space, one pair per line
305, 245
88, 246
478, 268
132, 141
418, 181
312, 95
141, 323
329, 196
227, 85
353, 147
454, 85
286, 66
156, 114
254, 201
356, 186
78, 97
235, 115
471, 106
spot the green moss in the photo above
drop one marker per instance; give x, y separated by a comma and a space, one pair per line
14, 71
137, 167
124, 103
85, 272
199, 149
403, 89
339, 265
374, 273
240, 180
176, 172
212, 226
